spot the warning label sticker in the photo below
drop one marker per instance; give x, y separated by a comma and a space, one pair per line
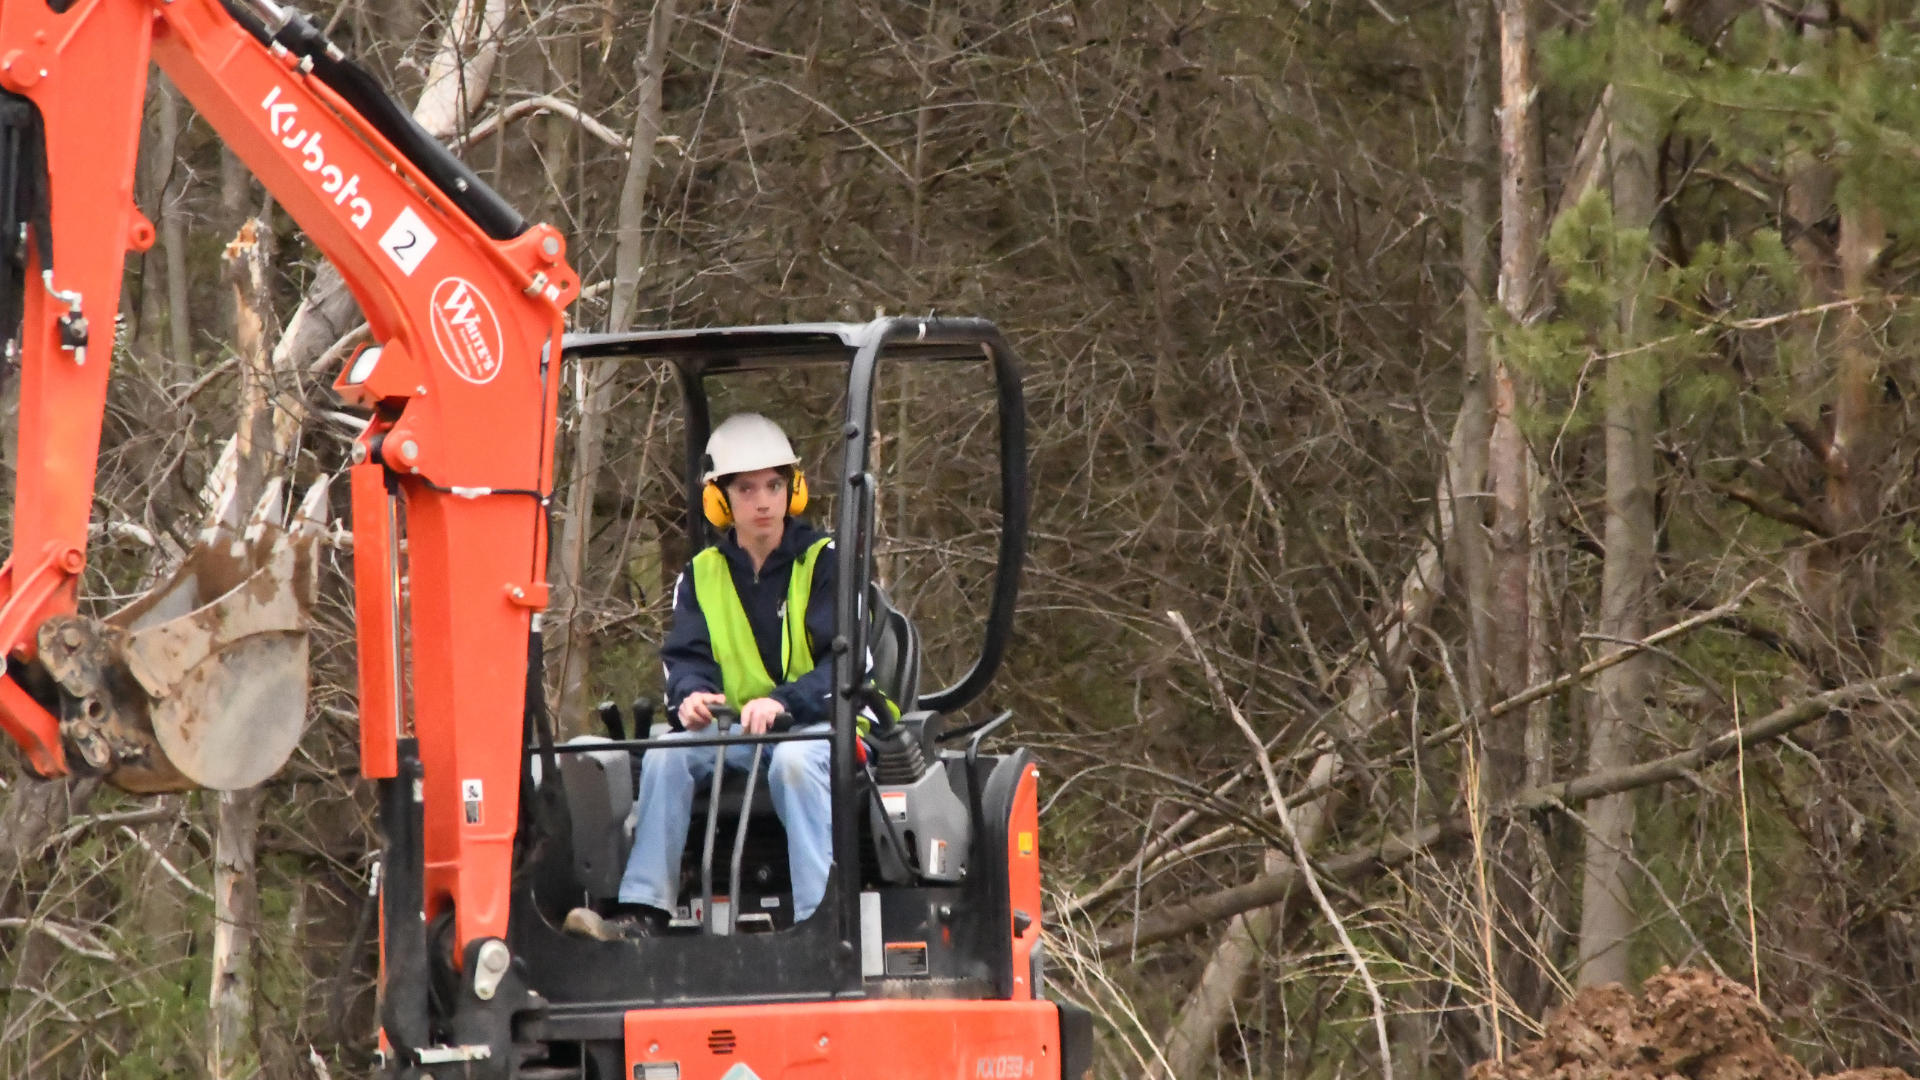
466, 330
473, 795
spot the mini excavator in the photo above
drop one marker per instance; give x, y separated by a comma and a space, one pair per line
924, 960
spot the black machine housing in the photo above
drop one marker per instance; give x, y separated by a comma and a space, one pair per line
950, 929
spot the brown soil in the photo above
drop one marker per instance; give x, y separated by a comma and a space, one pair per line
1687, 1024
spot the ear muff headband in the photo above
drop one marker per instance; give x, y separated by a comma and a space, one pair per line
713, 501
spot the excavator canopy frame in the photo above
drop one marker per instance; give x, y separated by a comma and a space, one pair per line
698, 354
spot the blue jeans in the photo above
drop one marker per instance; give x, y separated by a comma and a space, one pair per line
801, 781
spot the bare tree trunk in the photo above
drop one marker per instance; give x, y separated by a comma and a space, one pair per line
1468, 455
236, 914
259, 443
1622, 693
256, 434
236, 207
561, 133
457, 83
1191, 1040
594, 388
1510, 468
630, 234
1508, 453
571, 636
173, 235
152, 170
1859, 410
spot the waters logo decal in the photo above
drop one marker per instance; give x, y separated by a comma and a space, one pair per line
466, 330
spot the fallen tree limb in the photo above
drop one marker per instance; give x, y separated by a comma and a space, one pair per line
1629, 650
1302, 859
71, 938
1177, 919
545, 103
1191, 1037
142, 816
1151, 858
1167, 845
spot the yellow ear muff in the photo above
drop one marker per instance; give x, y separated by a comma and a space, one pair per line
714, 502
797, 498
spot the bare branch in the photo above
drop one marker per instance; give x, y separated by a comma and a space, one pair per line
1177, 919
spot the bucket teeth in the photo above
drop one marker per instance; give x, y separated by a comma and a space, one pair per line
203, 681
314, 506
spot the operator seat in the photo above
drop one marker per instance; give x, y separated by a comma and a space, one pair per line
895, 648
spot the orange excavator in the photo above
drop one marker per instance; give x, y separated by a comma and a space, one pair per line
924, 960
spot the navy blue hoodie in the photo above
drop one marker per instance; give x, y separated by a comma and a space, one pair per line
688, 651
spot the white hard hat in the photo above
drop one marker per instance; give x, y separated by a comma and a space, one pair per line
747, 442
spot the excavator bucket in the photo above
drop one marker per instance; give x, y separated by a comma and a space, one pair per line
203, 681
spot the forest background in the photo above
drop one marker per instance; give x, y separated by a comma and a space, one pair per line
1481, 428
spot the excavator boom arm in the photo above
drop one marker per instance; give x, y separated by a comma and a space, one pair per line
464, 305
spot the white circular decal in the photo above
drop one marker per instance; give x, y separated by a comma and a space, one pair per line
465, 329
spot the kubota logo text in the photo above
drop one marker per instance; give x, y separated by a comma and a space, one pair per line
283, 119
466, 330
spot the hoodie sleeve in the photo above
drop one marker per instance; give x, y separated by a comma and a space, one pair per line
687, 653
806, 698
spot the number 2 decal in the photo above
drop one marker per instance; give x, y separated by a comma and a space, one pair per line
407, 241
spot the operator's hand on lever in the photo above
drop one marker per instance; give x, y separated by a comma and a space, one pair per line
696, 709
759, 715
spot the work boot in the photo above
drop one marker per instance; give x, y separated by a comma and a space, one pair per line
628, 923
586, 922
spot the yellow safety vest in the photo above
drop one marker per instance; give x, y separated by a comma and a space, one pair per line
743, 675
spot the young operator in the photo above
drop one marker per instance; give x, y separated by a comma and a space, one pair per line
752, 625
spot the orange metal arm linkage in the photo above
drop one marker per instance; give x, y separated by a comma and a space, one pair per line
466, 401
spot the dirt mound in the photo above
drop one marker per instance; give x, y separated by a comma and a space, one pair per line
1685, 1024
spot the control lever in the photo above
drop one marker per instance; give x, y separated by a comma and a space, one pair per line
725, 717
740, 841
611, 720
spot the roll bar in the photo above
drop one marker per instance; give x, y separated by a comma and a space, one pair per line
696, 354
855, 527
